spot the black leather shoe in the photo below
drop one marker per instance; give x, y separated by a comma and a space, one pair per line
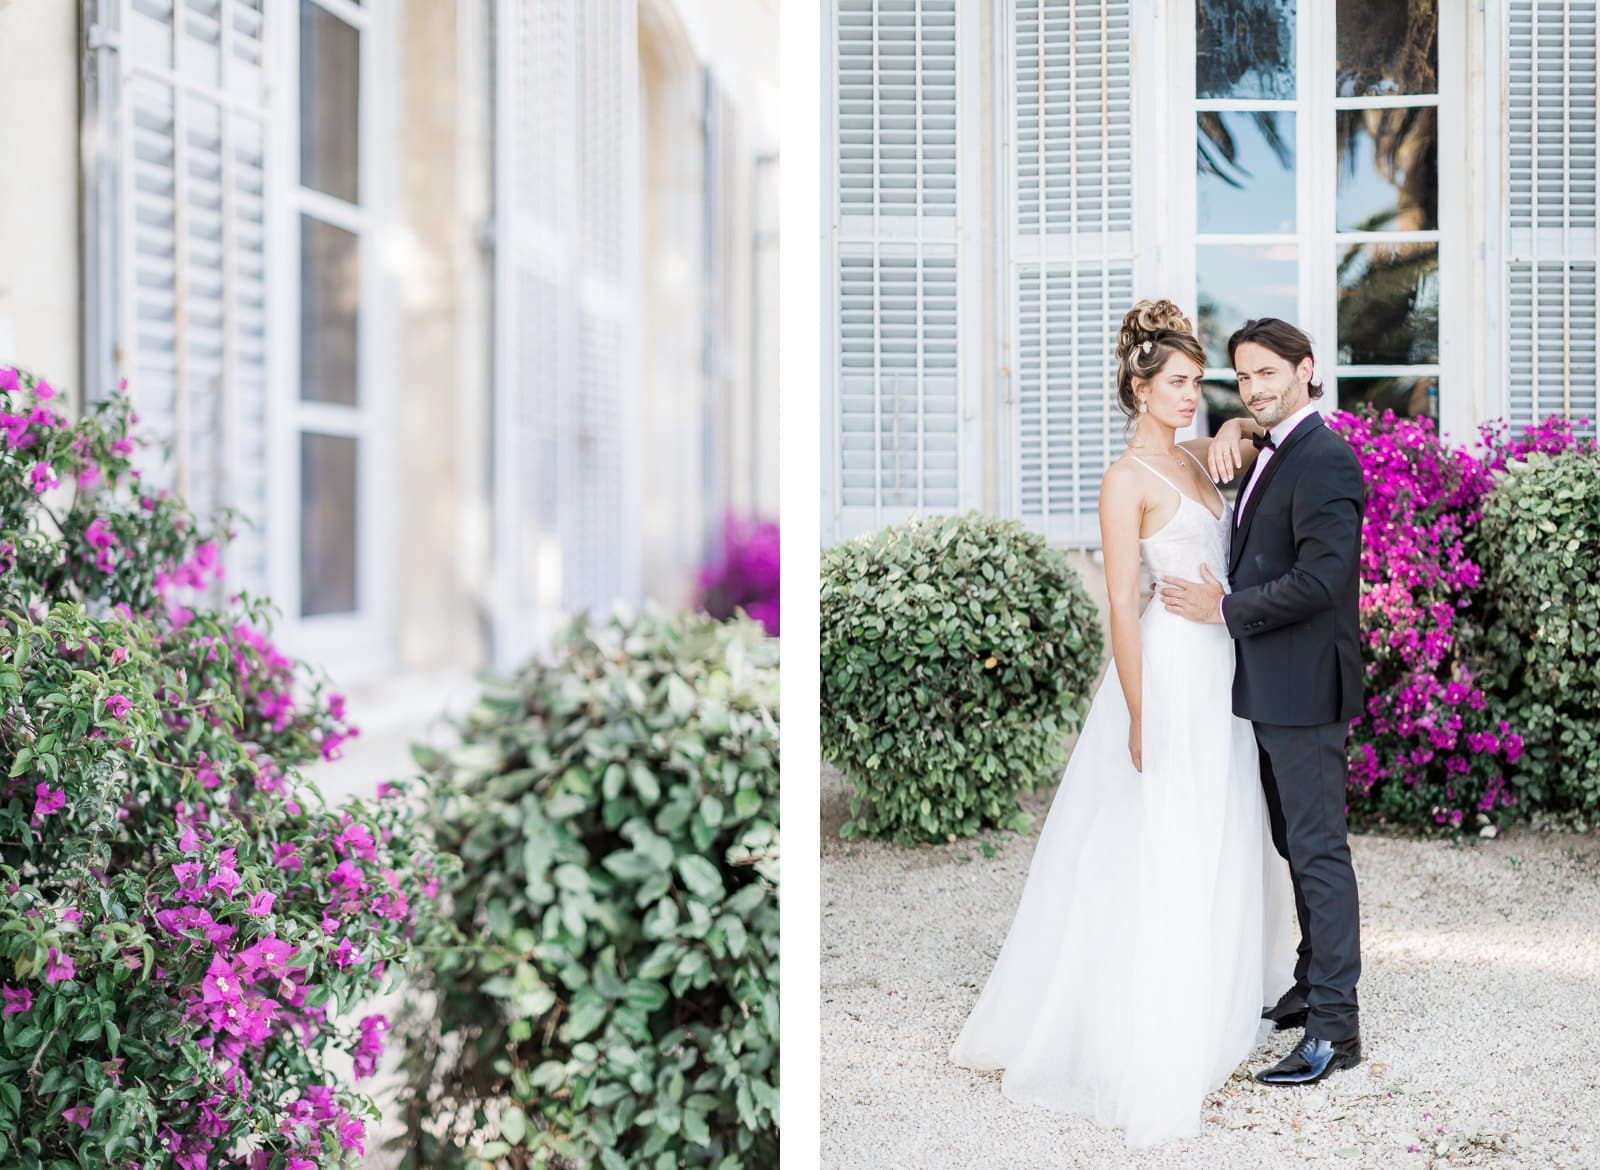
1311, 1060
1288, 1012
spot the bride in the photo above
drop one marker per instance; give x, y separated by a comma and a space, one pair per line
1155, 920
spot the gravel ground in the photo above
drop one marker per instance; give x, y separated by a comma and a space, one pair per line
1480, 996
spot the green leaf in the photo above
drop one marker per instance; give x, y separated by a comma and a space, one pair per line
695, 1128
645, 783
629, 864
588, 1013
701, 877
513, 1125
646, 994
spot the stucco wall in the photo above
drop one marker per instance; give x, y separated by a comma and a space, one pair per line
443, 331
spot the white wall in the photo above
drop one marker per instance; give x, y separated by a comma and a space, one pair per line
738, 41
40, 318
672, 306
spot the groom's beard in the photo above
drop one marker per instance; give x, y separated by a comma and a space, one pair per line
1270, 414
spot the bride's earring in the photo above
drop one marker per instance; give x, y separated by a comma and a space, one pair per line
1144, 407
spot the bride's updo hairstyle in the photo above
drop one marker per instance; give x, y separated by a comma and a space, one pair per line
1151, 333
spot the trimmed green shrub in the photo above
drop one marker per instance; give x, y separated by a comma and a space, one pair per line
1539, 543
616, 1000
958, 654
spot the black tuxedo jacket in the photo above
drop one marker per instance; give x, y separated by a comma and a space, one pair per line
1295, 569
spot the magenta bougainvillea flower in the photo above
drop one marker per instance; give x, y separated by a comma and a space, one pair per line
58, 967
369, 1049
47, 800
1426, 747
17, 1000
744, 575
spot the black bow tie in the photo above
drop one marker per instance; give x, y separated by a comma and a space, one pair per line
1264, 441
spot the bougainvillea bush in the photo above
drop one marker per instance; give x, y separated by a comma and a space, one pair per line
745, 573
958, 653
615, 1000
183, 926
1433, 748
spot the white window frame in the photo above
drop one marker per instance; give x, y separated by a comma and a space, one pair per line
355, 646
1460, 365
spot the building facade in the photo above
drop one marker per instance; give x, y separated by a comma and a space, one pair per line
467, 305
1412, 183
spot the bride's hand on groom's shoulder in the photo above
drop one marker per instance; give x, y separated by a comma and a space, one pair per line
1226, 454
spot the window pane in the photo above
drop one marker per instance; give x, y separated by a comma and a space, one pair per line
1246, 172
1408, 396
1244, 49
330, 79
1389, 304
328, 532
1388, 169
1387, 47
1237, 282
330, 297
1222, 402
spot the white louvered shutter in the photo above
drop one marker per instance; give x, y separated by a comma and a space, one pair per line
1072, 254
606, 555
1551, 241
176, 211
565, 507
897, 419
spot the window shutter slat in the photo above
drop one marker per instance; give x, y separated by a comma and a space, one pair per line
1551, 168
1072, 253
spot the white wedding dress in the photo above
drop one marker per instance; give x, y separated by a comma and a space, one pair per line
1157, 919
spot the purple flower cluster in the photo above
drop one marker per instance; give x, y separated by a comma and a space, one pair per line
745, 574
181, 886
1427, 749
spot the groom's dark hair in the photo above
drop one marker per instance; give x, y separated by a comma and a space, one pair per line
1282, 338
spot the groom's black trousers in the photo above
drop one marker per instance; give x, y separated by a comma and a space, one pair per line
1303, 774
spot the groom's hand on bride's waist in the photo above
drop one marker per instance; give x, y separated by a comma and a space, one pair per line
1199, 601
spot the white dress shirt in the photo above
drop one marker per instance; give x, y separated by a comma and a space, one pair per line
1279, 433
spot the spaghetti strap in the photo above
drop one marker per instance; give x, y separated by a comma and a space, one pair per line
1156, 473
1221, 499
1181, 493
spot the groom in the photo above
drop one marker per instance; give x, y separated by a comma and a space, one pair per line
1294, 563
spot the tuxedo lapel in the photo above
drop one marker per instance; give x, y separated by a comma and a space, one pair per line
1240, 530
